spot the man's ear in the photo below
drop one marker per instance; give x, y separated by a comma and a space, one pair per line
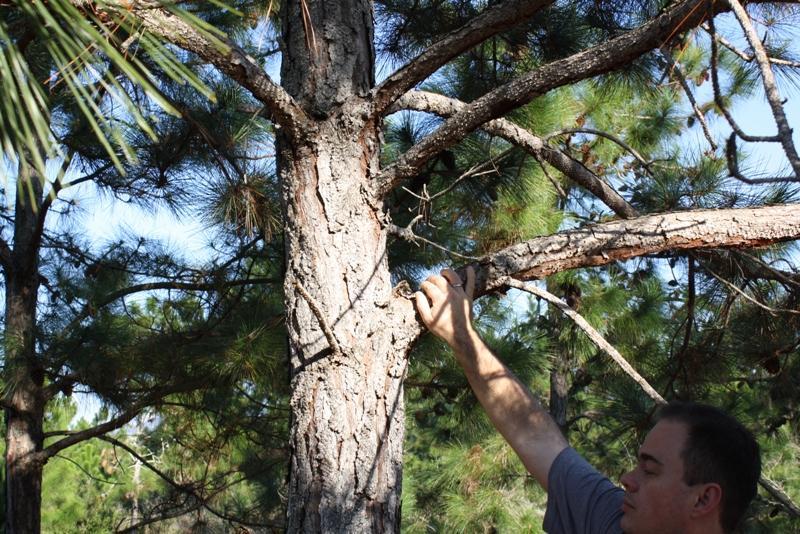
708, 499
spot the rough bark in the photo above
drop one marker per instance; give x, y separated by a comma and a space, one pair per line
347, 364
601, 244
24, 401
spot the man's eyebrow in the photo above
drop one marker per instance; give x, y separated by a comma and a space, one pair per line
643, 456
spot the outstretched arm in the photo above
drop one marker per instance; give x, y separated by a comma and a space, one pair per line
445, 307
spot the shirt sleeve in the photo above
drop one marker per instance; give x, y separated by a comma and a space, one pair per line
579, 499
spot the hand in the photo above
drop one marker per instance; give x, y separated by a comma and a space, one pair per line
446, 307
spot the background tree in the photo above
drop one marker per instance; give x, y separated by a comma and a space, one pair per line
120, 114
349, 330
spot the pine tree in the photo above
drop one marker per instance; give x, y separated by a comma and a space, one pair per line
627, 65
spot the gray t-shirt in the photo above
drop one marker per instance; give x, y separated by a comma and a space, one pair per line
579, 499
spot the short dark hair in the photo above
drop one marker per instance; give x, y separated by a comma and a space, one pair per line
718, 449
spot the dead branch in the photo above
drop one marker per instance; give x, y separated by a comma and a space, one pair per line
323, 322
718, 95
590, 331
744, 55
770, 88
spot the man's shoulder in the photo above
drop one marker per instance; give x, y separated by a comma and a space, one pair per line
579, 498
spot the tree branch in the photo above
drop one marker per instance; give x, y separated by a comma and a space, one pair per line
114, 423
673, 66
770, 88
225, 55
577, 172
491, 22
599, 59
323, 322
590, 331
93, 306
182, 488
748, 57
601, 244
771, 487
718, 95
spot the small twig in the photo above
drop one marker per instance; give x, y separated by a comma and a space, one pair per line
749, 57
590, 331
770, 88
688, 90
718, 97
557, 186
476, 170
733, 167
608, 136
87, 473
774, 311
323, 323
407, 234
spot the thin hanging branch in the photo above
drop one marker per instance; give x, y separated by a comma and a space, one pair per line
773, 311
718, 95
613, 138
591, 332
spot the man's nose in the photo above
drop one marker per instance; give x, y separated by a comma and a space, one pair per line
628, 482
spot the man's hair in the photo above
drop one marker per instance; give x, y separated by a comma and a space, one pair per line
718, 449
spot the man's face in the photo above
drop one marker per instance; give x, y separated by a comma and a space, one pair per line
657, 500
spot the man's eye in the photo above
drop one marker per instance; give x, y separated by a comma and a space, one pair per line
649, 473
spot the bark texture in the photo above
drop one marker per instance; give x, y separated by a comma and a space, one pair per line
24, 400
347, 364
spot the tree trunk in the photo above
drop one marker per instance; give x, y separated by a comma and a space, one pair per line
559, 394
347, 365
24, 400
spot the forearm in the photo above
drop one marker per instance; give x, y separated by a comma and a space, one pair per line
512, 408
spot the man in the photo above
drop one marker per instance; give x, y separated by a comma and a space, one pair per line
697, 469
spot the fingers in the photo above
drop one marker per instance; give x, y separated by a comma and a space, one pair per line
470, 287
452, 277
423, 307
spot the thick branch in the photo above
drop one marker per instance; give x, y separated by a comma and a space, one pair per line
573, 169
771, 487
599, 59
605, 243
225, 55
491, 22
